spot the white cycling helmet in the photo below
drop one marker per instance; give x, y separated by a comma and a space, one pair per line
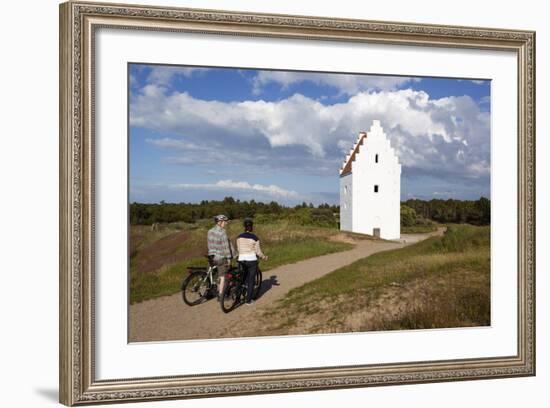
220, 217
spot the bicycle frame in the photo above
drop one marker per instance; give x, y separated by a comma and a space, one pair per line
209, 272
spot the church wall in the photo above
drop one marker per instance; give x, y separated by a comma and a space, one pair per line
346, 202
373, 209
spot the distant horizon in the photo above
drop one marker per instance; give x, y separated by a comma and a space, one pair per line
199, 133
295, 205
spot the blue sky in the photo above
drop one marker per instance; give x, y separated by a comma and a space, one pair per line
199, 133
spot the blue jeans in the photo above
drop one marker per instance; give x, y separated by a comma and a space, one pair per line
250, 267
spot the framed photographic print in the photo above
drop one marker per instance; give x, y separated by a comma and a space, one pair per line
256, 203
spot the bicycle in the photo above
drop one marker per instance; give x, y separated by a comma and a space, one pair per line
234, 292
200, 284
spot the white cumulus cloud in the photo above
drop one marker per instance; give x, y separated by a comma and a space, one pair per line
447, 137
232, 185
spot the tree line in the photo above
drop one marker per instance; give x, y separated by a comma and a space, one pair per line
476, 212
302, 214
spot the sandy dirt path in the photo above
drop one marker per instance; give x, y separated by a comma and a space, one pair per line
168, 318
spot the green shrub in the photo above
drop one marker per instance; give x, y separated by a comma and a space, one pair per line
408, 216
320, 217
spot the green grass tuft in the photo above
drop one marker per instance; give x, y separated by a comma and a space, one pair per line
440, 282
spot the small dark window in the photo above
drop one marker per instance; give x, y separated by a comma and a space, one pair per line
376, 158
376, 188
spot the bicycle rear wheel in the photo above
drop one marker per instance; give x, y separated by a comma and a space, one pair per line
257, 284
195, 288
231, 297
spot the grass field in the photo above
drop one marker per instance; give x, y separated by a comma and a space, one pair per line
419, 229
159, 259
437, 283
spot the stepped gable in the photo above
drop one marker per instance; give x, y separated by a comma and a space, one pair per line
346, 166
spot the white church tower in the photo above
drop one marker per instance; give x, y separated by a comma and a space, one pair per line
370, 187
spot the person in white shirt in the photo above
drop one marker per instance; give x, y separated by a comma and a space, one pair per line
249, 250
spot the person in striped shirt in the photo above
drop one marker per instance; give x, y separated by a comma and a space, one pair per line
248, 247
220, 249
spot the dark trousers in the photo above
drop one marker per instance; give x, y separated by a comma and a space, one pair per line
250, 267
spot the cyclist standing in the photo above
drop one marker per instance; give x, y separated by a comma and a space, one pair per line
248, 246
220, 248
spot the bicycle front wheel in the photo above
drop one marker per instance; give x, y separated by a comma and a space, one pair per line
195, 287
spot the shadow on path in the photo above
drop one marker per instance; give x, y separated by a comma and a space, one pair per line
267, 284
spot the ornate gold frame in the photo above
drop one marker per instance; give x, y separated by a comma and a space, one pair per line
78, 22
